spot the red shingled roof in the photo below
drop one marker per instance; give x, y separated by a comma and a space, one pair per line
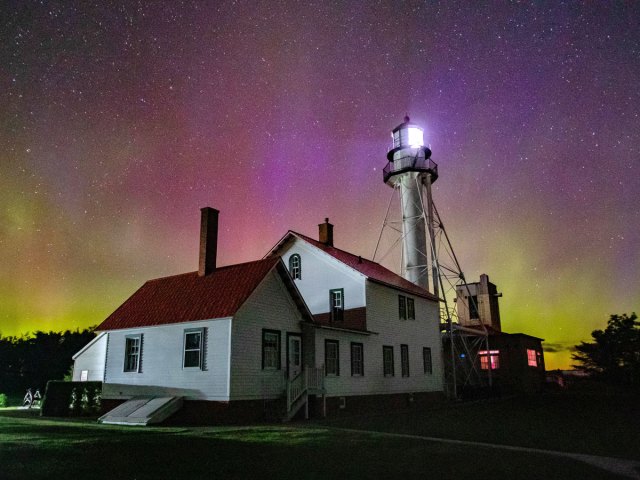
189, 297
372, 270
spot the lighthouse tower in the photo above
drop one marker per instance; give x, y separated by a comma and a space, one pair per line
411, 171
430, 263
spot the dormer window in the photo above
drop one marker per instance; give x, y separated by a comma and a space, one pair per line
336, 304
295, 266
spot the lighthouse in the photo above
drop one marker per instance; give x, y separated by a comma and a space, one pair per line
411, 171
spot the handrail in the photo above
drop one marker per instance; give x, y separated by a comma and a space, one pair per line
295, 389
315, 378
410, 164
310, 378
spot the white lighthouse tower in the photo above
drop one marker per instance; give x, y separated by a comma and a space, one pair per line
411, 171
428, 259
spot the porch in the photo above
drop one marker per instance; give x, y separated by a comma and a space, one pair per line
310, 381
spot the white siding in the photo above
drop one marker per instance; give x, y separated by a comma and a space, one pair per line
344, 384
269, 307
161, 369
424, 331
383, 319
91, 360
321, 273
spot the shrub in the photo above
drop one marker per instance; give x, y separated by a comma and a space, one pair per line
3, 400
64, 399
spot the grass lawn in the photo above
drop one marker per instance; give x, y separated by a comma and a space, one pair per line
606, 425
33, 447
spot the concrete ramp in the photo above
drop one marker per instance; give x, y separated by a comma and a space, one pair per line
142, 411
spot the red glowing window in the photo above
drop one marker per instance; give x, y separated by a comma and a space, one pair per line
532, 360
489, 358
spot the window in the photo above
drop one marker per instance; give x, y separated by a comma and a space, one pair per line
473, 307
331, 357
295, 266
387, 361
492, 356
336, 304
193, 347
402, 307
84, 375
411, 309
132, 350
357, 359
426, 358
404, 359
295, 353
532, 360
270, 350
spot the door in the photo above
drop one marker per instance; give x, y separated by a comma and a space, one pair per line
294, 356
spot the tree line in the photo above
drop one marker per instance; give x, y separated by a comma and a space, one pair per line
29, 361
614, 354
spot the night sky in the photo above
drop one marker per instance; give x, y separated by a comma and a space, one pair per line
119, 120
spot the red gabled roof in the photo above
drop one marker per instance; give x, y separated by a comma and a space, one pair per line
372, 270
189, 297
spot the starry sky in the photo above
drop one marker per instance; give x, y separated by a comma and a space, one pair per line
120, 120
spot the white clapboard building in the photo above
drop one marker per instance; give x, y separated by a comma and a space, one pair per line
310, 328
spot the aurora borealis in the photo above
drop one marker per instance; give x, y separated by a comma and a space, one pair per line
119, 120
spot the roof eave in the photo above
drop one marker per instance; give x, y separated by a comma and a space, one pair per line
346, 330
84, 349
279, 244
294, 292
426, 295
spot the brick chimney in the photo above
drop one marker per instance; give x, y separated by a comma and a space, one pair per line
325, 233
208, 240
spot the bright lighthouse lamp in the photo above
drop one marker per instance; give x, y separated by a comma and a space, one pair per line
415, 137
407, 135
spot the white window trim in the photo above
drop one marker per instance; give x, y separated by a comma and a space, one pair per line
138, 355
295, 270
200, 349
357, 346
278, 349
336, 304
335, 343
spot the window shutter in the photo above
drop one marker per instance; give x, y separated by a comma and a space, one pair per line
352, 362
140, 353
402, 307
205, 341
279, 350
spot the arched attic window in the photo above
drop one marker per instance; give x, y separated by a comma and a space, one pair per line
295, 266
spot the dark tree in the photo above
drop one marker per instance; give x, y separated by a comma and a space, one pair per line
30, 361
614, 355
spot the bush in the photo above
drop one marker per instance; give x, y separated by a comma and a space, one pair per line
3, 400
63, 399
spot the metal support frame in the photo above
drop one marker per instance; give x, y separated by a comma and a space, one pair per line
463, 367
